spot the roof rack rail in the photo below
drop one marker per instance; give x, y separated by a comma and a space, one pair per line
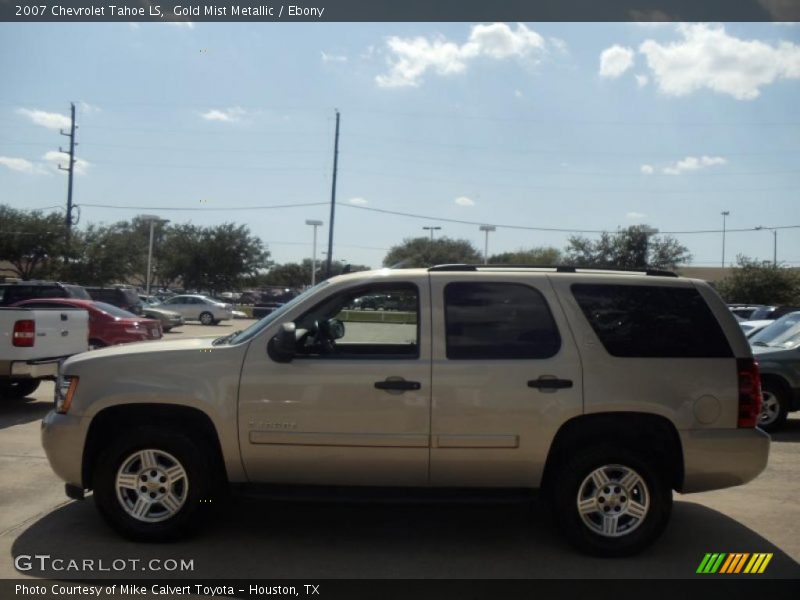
556, 268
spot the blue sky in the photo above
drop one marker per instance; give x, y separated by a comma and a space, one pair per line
564, 126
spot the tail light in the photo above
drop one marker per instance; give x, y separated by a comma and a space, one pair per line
24, 333
749, 392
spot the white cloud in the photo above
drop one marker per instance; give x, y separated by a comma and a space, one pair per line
464, 201
358, 201
641, 80
55, 158
692, 163
46, 119
230, 115
21, 165
186, 24
614, 61
326, 58
87, 108
635, 216
707, 57
559, 45
518, 94
647, 169
411, 58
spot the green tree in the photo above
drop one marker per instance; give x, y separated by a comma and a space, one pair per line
755, 282
422, 252
299, 274
211, 258
630, 248
540, 255
33, 242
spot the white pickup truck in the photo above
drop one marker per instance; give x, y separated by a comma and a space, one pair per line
33, 342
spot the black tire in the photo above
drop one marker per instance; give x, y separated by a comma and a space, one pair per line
206, 318
772, 391
17, 389
570, 480
200, 483
166, 329
94, 344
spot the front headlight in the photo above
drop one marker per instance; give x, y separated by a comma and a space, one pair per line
66, 385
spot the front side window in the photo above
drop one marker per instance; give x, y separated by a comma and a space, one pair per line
378, 321
652, 321
492, 321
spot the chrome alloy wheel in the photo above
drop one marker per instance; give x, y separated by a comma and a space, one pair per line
770, 408
613, 500
152, 485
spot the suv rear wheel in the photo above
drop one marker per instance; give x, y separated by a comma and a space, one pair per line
152, 484
611, 501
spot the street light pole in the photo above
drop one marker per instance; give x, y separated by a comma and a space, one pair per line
486, 229
314, 223
432, 229
774, 243
724, 214
153, 219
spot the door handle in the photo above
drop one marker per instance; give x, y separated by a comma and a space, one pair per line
398, 384
550, 383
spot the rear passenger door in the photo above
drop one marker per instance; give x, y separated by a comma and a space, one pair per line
506, 376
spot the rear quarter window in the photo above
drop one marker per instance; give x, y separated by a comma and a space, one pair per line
652, 321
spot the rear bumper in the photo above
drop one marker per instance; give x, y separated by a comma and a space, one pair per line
721, 458
32, 369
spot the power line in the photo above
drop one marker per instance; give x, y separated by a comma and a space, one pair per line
553, 229
206, 208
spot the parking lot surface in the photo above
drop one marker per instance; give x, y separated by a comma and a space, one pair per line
255, 537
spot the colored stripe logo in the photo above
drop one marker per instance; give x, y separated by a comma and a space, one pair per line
734, 563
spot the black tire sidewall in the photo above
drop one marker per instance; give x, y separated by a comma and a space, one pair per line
18, 389
574, 470
783, 401
194, 461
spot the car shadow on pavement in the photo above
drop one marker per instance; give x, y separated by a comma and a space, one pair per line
790, 432
252, 538
18, 411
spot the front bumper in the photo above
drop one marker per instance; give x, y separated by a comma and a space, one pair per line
721, 458
63, 438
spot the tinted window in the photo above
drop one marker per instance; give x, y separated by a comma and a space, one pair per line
652, 321
498, 321
76, 291
114, 311
18, 293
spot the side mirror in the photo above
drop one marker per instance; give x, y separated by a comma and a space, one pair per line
335, 329
282, 347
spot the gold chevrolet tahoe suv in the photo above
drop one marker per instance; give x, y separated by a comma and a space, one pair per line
606, 390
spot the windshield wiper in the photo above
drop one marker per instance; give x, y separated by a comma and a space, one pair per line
226, 338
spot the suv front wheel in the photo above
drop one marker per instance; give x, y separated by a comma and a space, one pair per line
152, 483
611, 501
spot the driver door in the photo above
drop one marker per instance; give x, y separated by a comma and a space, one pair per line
353, 406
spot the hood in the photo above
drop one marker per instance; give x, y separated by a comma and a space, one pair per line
140, 348
768, 353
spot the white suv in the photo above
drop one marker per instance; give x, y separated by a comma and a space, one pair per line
606, 390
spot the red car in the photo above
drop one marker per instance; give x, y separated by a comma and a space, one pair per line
108, 324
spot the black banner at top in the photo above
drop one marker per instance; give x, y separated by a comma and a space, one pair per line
398, 10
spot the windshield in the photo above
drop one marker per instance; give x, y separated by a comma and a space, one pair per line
276, 314
115, 311
783, 333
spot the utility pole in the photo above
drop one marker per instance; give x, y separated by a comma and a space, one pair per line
70, 171
724, 214
486, 229
432, 229
333, 198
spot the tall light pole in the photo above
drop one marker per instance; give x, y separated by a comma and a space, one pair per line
774, 243
432, 229
486, 229
314, 223
724, 214
153, 219
647, 231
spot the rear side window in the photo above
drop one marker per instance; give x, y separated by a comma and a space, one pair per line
652, 321
76, 291
498, 321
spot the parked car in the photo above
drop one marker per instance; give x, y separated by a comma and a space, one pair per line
194, 307
124, 297
151, 308
27, 290
504, 379
777, 350
751, 328
108, 324
33, 342
744, 310
772, 312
